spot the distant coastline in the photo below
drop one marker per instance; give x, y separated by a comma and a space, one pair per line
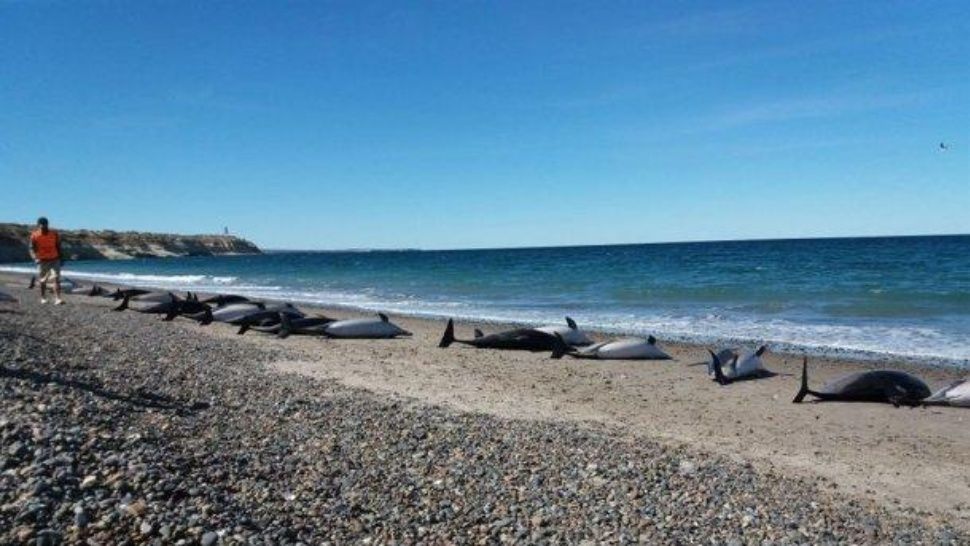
122, 245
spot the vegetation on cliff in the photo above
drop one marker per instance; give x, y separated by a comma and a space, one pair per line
119, 245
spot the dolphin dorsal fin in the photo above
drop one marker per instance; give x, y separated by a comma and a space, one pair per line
571, 323
652, 340
479, 333
383, 317
761, 350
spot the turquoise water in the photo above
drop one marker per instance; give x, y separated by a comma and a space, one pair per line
864, 297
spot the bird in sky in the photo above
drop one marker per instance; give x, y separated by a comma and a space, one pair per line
943, 146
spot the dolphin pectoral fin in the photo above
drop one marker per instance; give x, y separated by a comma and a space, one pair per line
479, 333
449, 336
804, 388
571, 323
718, 372
559, 347
123, 305
286, 327
170, 316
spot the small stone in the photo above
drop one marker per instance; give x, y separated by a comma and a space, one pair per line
47, 537
686, 468
24, 533
82, 519
209, 538
17, 450
88, 482
146, 528
137, 508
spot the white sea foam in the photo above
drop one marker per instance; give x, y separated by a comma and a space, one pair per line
134, 279
861, 341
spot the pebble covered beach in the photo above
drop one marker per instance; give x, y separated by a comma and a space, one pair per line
119, 429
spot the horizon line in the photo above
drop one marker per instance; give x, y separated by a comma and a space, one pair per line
682, 242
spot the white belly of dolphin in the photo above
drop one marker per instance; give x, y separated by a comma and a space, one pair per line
363, 328
954, 395
628, 349
748, 364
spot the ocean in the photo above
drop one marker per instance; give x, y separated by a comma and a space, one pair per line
856, 297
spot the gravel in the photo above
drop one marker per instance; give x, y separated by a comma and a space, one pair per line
117, 428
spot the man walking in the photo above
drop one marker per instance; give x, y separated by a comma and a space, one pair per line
45, 249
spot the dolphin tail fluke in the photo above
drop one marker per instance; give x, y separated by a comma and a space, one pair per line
559, 347
571, 323
33, 282
718, 372
804, 388
449, 336
124, 304
286, 327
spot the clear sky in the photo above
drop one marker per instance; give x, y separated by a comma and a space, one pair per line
469, 124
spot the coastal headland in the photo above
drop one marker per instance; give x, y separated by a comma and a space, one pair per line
117, 426
122, 245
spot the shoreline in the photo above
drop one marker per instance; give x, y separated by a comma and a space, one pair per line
909, 460
860, 356
117, 428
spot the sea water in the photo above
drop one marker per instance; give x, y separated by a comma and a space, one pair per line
859, 297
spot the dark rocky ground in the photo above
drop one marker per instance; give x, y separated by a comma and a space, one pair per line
116, 428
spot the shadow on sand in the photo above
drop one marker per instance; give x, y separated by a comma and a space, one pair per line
141, 398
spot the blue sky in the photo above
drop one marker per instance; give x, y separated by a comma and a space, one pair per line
477, 124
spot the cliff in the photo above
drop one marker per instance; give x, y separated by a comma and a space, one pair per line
114, 245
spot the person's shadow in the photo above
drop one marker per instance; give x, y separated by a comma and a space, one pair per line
141, 397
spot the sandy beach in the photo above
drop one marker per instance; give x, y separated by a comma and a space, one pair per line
400, 441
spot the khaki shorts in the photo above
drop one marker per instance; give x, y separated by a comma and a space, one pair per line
49, 271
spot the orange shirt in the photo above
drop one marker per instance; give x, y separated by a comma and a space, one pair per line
45, 245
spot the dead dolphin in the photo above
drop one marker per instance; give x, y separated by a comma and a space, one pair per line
954, 394
120, 293
732, 375
740, 364
96, 290
225, 299
172, 308
365, 328
631, 348
285, 326
887, 386
520, 339
145, 300
254, 312
570, 333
